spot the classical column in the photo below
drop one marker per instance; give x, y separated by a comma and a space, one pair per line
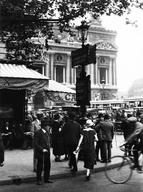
47, 68
96, 71
98, 74
68, 68
115, 72
110, 71
72, 76
107, 76
52, 66
92, 73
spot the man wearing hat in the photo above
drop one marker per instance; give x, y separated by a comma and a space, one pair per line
105, 130
136, 139
100, 118
36, 125
42, 151
1, 151
71, 131
128, 128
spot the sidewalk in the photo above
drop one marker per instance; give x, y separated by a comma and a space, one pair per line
19, 165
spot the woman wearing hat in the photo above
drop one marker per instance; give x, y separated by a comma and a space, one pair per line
87, 139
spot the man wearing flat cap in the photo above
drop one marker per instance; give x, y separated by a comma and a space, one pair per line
42, 151
136, 139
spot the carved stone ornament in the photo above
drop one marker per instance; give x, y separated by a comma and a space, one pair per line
105, 46
103, 60
60, 58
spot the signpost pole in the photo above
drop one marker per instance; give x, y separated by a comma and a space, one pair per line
82, 57
83, 30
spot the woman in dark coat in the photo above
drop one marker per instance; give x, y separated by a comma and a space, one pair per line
87, 139
57, 139
1, 151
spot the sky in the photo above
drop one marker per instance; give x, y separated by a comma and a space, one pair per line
129, 41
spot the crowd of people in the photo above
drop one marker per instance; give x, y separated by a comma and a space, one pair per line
72, 137
91, 138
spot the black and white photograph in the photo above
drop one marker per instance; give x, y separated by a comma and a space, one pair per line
71, 95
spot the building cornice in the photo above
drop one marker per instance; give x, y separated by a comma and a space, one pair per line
102, 30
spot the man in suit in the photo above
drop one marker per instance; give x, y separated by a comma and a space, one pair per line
105, 130
42, 151
71, 131
36, 125
1, 151
99, 119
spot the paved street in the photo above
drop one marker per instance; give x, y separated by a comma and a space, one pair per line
98, 183
19, 163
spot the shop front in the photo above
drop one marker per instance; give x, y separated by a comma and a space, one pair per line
55, 94
60, 94
16, 82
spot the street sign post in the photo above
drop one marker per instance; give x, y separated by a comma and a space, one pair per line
84, 55
92, 54
79, 56
83, 90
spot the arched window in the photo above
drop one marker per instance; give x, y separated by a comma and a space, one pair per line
60, 73
102, 75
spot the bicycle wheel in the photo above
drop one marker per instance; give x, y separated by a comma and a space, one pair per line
118, 170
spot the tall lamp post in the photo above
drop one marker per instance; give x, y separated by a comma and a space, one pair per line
82, 34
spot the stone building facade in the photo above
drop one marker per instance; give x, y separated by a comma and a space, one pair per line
56, 61
103, 73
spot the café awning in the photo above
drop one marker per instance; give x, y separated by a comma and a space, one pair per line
58, 87
18, 77
59, 93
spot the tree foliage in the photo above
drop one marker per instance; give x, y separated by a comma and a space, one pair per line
20, 20
70, 9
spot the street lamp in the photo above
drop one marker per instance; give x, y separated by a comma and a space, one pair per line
83, 31
82, 34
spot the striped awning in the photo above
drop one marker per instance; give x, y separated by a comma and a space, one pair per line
20, 77
58, 87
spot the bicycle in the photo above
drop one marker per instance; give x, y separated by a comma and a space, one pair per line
120, 169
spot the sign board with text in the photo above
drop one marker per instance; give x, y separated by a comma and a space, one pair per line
84, 55
92, 54
79, 56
